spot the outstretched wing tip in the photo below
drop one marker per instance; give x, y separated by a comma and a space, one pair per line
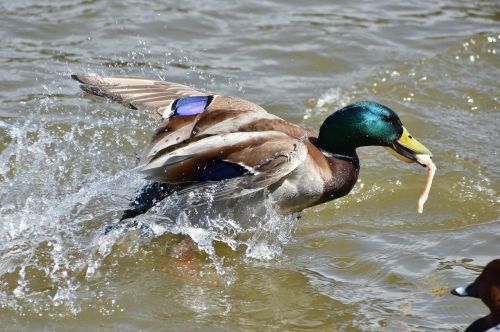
91, 89
135, 92
85, 78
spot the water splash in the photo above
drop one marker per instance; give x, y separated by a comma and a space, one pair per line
64, 176
250, 223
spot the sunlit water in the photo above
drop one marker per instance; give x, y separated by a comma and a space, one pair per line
364, 262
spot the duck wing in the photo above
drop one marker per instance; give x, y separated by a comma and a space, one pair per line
207, 139
189, 119
232, 164
137, 93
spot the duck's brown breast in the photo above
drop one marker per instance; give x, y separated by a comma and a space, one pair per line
339, 174
319, 179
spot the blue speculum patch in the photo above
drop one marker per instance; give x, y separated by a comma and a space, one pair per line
191, 105
218, 170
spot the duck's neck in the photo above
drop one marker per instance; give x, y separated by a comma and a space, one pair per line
344, 171
343, 154
483, 324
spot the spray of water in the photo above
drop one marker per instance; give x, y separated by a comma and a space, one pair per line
65, 176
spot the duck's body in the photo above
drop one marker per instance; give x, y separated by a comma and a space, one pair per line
251, 149
487, 288
237, 148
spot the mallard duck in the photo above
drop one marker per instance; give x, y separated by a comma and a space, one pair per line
206, 139
487, 288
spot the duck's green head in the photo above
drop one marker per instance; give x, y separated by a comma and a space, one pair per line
365, 124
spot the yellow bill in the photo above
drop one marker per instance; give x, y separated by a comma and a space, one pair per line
406, 148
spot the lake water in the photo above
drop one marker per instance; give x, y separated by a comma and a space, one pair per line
366, 262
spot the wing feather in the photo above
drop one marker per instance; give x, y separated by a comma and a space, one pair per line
283, 163
137, 93
268, 155
229, 130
